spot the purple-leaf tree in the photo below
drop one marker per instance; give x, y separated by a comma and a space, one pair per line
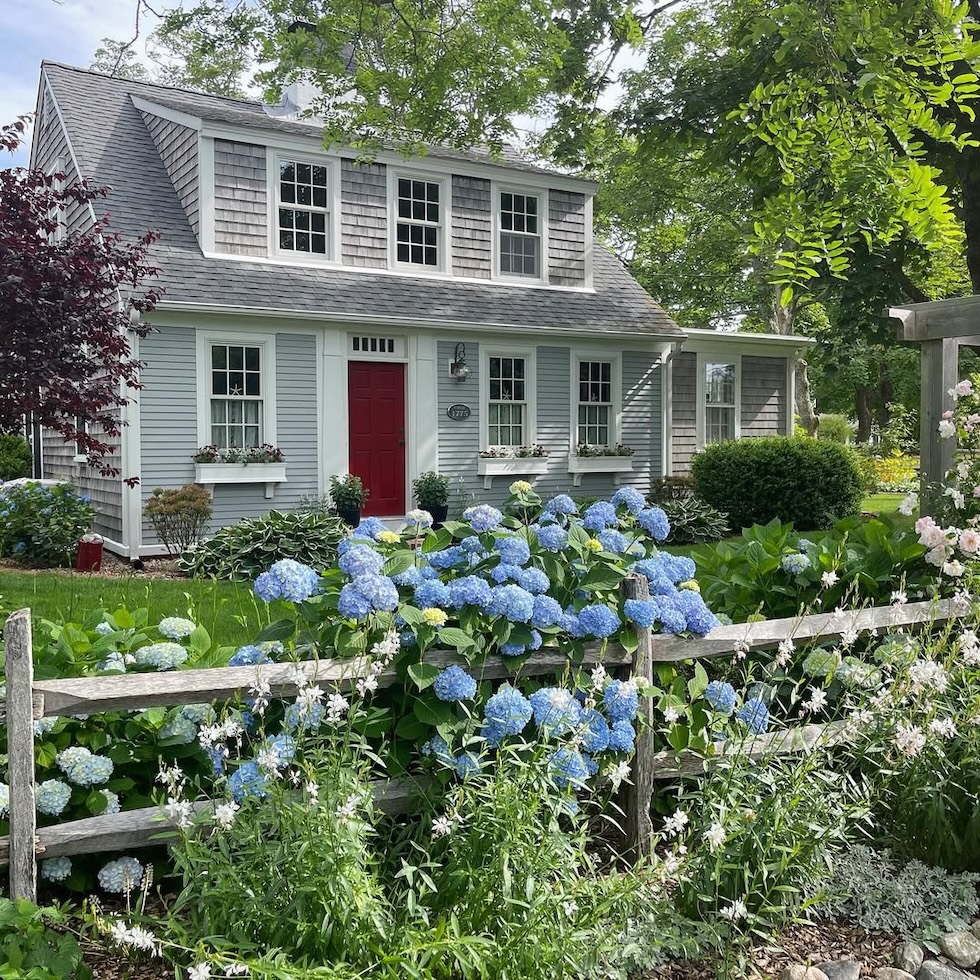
70, 302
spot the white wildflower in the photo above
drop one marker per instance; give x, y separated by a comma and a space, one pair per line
570, 908
259, 693
672, 714
784, 652
348, 808
313, 791
618, 774
170, 776
899, 598
337, 707
829, 579
715, 836
599, 677
909, 740
816, 701
737, 910
943, 727
442, 827
675, 823
200, 972
268, 759
224, 814
180, 812
849, 637
367, 685
740, 649
387, 647
236, 970
927, 674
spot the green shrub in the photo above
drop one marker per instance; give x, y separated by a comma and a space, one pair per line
246, 549
692, 521
835, 428
755, 575
179, 517
31, 950
871, 890
16, 461
805, 482
41, 525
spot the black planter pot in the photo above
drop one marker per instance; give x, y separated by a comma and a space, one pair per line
351, 517
439, 513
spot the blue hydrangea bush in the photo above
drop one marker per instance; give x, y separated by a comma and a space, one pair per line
41, 525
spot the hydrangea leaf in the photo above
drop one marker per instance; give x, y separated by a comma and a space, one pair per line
281, 629
437, 541
697, 685
432, 712
424, 675
455, 637
400, 561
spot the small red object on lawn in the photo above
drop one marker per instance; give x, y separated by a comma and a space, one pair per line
89, 553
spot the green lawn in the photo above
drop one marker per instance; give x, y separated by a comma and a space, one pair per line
225, 609
882, 503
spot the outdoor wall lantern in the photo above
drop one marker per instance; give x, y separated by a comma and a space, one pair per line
459, 369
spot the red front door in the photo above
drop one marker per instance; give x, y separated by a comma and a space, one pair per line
376, 413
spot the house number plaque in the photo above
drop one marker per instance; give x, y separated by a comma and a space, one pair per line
458, 412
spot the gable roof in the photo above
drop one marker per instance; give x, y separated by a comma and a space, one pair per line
113, 147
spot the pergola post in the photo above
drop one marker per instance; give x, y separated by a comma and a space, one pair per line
939, 373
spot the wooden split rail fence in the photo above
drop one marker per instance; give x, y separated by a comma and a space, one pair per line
28, 700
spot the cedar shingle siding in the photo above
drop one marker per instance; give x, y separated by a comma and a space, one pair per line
472, 234
178, 150
241, 216
566, 238
364, 215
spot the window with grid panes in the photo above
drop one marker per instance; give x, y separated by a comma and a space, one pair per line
719, 402
304, 210
507, 408
594, 402
419, 222
236, 396
520, 235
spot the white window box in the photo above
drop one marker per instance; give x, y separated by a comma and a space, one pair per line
577, 465
208, 474
510, 466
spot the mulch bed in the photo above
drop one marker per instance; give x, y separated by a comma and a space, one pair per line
112, 567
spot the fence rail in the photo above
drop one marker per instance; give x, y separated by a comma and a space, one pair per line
28, 700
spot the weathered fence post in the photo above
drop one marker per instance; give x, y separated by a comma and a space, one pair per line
20, 754
639, 826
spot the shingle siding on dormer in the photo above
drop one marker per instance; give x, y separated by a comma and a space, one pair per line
472, 228
50, 146
177, 146
364, 214
241, 214
566, 238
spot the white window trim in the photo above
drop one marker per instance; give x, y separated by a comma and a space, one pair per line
267, 342
616, 413
83, 427
333, 256
60, 212
530, 393
445, 237
496, 189
717, 357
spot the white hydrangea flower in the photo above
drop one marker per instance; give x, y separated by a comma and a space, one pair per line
175, 628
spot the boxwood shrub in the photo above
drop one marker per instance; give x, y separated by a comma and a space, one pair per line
809, 483
246, 549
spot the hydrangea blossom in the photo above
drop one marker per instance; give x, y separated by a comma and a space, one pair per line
467, 764
454, 684
111, 802
248, 656
721, 696
307, 717
556, 711
561, 504
613, 540
595, 732
795, 563
367, 593
121, 876
630, 498
175, 628
700, 620
409, 579
4, 799
517, 649
56, 868
508, 710
568, 767
621, 700
533, 580
545, 611
438, 748
551, 537
44, 725
599, 516
482, 518
447, 558
432, 593
248, 781
755, 715
160, 656
113, 663
287, 579
361, 560
179, 730
512, 603
654, 521
512, 550
470, 590
420, 517
599, 621
52, 797
622, 737
82, 767
643, 612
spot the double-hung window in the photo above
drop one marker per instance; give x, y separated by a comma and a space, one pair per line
720, 393
519, 235
595, 403
507, 407
418, 222
236, 395
303, 223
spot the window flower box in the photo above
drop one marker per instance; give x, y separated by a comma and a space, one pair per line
209, 474
510, 466
577, 465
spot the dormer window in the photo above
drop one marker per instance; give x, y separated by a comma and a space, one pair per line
304, 207
519, 235
418, 222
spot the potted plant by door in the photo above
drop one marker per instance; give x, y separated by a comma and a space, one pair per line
432, 494
348, 494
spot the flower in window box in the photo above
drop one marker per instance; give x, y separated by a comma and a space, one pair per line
586, 449
207, 454
514, 452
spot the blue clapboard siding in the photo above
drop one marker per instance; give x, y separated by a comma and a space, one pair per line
169, 424
459, 442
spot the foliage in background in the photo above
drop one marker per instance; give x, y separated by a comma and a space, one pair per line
16, 460
41, 525
692, 521
431, 490
835, 428
805, 482
246, 549
348, 492
895, 473
179, 517
67, 360
30, 949
775, 572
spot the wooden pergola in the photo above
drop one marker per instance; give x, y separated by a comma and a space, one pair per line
941, 327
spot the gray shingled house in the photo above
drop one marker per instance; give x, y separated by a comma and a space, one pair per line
383, 319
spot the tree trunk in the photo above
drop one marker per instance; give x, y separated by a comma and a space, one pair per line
970, 176
886, 395
862, 408
805, 409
